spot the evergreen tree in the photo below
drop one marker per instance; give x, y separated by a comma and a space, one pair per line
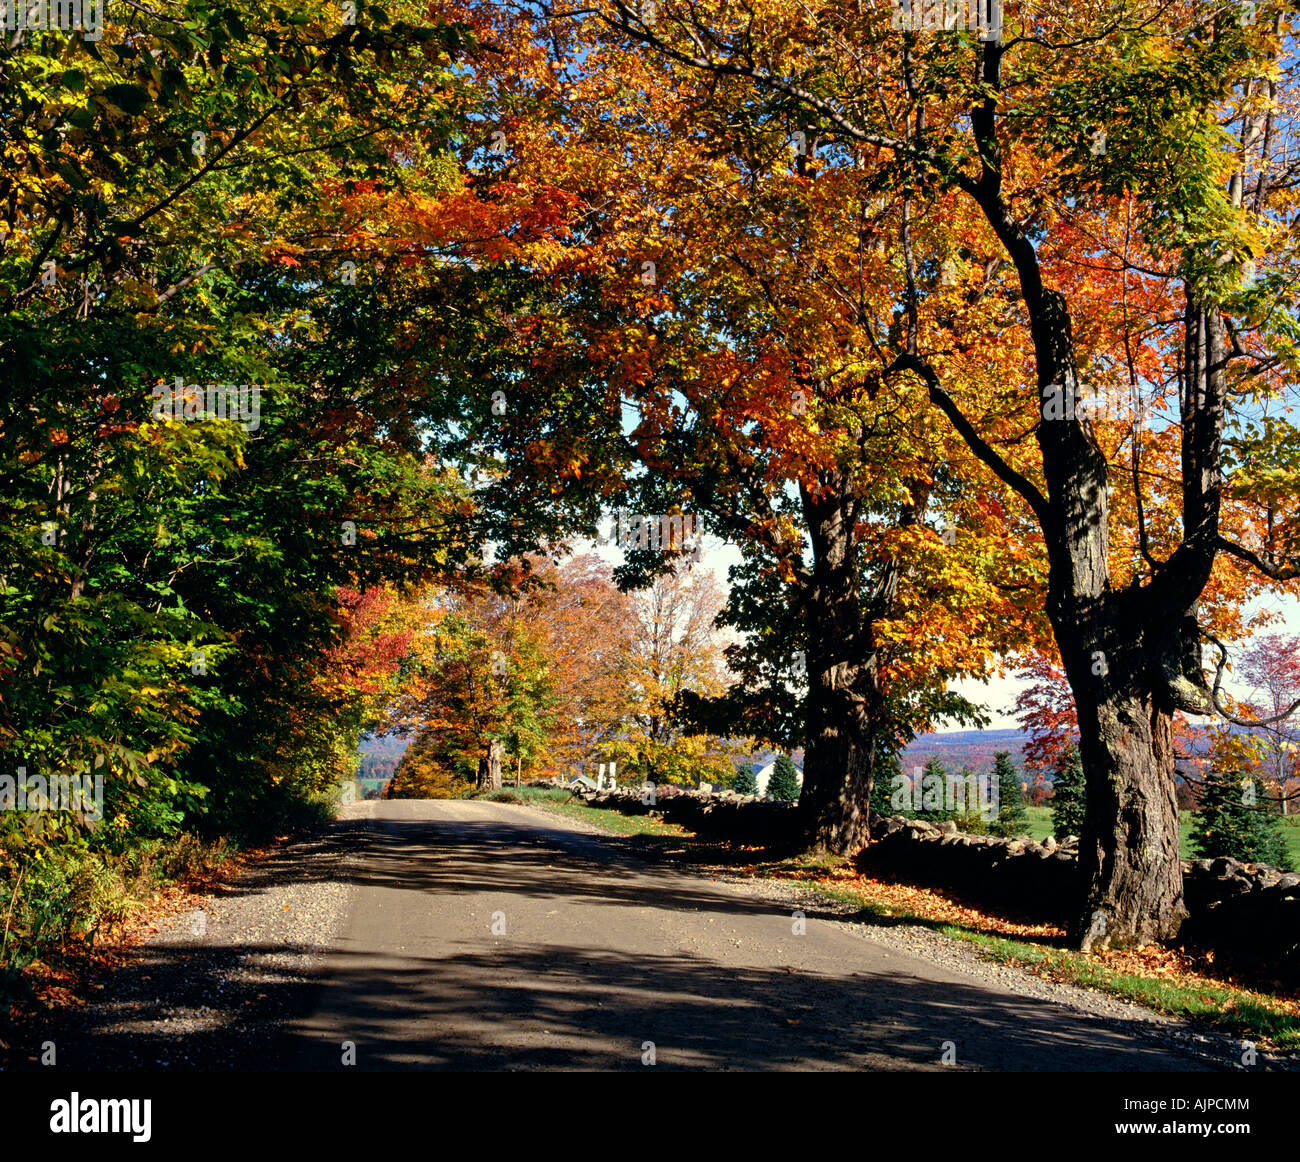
969, 794
784, 783
1012, 818
930, 796
1234, 819
746, 783
1068, 794
882, 788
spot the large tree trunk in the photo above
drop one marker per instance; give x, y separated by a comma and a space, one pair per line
1129, 850
839, 759
1132, 656
1130, 868
489, 767
844, 709
1129, 862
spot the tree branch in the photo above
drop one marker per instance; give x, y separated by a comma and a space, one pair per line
982, 449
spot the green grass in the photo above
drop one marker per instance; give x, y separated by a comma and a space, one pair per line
1040, 822
1238, 1012
1232, 1010
562, 802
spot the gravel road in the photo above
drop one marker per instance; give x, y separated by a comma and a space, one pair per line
476, 935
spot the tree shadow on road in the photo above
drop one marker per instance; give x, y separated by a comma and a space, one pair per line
537, 1000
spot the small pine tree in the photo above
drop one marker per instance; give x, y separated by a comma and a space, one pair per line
1235, 820
746, 783
930, 797
1068, 794
1012, 818
966, 810
784, 783
882, 788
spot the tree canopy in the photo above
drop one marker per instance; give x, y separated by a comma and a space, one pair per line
323, 340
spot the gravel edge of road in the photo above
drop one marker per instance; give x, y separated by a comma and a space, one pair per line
203, 967
1208, 1045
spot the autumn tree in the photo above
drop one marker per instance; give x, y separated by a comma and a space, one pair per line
214, 498
426, 771
1072, 200
481, 688
180, 577
561, 668
1271, 667
589, 632
727, 301
1045, 709
673, 646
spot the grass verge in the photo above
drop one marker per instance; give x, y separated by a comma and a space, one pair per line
562, 802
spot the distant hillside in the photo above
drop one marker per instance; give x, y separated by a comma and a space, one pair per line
379, 759
958, 748
976, 748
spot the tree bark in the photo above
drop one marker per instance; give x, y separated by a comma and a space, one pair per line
1115, 646
1129, 860
1131, 655
489, 767
844, 711
839, 759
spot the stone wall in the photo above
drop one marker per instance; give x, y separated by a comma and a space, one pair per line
1031, 881
1246, 909
719, 815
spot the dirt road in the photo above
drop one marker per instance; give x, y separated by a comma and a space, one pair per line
476, 935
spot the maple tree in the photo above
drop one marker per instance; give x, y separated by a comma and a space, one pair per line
1045, 709
673, 646
479, 690
586, 627
703, 344
583, 672
1157, 265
